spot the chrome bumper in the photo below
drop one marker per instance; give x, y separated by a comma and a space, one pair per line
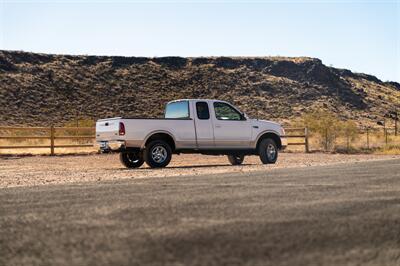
107, 146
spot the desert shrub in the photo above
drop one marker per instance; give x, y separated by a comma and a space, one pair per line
351, 150
327, 128
348, 130
324, 125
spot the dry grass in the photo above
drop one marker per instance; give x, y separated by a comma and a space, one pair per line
388, 150
377, 144
360, 142
38, 151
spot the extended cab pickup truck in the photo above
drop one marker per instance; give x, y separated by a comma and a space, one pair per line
209, 127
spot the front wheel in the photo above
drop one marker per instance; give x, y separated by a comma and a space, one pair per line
158, 154
268, 151
131, 159
236, 159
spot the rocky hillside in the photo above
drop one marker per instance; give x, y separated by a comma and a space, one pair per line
39, 89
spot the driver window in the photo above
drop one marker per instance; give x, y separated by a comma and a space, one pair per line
224, 111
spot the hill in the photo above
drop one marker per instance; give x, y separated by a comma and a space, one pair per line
39, 89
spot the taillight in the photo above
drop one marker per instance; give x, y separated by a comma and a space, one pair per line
121, 129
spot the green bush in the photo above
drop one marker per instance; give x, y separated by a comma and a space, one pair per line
323, 124
327, 127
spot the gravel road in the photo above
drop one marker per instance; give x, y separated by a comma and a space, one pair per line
45, 170
343, 214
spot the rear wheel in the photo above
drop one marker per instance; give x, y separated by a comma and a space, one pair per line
236, 159
158, 154
268, 151
131, 159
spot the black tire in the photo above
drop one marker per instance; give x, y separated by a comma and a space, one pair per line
268, 151
236, 159
157, 154
131, 159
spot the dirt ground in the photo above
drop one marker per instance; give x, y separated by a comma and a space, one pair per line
44, 170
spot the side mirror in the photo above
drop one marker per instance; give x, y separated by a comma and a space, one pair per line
243, 116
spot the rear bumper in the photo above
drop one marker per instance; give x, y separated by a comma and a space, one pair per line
284, 142
107, 146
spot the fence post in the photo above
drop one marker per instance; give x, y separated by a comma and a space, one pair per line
367, 138
306, 140
326, 139
52, 140
386, 136
384, 130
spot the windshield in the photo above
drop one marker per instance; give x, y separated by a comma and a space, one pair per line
177, 110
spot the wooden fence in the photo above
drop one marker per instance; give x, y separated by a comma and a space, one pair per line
297, 133
46, 133
50, 134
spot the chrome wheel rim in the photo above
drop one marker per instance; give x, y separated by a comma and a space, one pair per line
159, 154
271, 152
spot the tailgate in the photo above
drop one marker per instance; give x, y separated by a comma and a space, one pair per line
108, 129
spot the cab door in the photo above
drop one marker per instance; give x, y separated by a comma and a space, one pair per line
203, 125
231, 128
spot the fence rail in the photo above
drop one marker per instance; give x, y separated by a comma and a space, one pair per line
301, 132
50, 135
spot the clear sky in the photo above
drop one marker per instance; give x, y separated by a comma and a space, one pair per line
363, 36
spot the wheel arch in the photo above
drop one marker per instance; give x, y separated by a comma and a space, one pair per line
271, 135
160, 135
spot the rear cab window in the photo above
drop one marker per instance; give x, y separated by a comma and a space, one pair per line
177, 110
202, 110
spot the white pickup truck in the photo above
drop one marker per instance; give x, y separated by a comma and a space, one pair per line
208, 127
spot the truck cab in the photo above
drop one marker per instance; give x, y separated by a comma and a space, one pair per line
211, 127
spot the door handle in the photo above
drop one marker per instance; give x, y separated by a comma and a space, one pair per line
217, 126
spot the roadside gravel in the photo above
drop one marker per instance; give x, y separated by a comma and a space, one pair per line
46, 170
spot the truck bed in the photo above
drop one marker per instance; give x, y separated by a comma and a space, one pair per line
137, 130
